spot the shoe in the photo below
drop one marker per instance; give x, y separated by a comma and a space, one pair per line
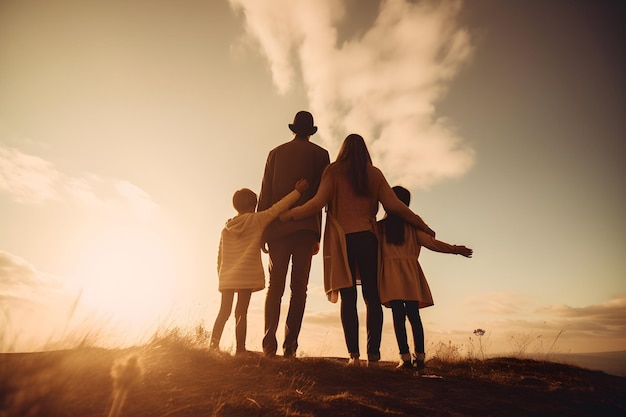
405, 365
289, 355
373, 364
289, 352
418, 361
354, 362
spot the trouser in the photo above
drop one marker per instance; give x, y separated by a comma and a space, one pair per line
400, 310
362, 250
241, 317
297, 247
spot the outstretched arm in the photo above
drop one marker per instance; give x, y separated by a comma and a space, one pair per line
462, 250
433, 244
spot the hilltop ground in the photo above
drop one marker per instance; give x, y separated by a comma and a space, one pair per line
182, 381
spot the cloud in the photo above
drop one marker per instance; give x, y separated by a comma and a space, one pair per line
607, 318
17, 277
518, 311
499, 304
23, 287
137, 198
34, 306
383, 83
614, 309
323, 318
29, 179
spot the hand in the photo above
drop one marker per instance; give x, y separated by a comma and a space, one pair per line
302, 185
316, 248
285, 216
467, 252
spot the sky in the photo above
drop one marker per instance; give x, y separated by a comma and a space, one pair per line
125, 127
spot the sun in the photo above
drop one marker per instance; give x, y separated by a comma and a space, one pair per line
126, 274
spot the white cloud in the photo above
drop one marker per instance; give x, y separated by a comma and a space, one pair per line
383, 85
17, 277
27, 178
498, 304
139, 200
30, 179
606, 318
34, 307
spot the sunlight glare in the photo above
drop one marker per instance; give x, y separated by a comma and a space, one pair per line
127, 274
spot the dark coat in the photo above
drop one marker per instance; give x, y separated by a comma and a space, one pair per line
286, 164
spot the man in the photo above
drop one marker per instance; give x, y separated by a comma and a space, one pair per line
297, 241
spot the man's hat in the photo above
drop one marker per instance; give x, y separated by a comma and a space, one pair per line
303, 124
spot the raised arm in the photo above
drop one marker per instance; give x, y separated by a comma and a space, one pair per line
281, 206
314, 205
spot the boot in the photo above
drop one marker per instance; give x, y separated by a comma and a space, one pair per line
354, 360
405, 361
418, 360
373, 360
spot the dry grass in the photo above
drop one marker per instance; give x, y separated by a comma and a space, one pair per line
175, 376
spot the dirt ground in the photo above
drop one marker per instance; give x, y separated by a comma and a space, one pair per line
161, 380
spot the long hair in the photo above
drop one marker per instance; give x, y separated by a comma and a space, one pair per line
394, 225
355, 158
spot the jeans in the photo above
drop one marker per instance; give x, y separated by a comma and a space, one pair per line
362, 250
297, 247
400, 310
241, 318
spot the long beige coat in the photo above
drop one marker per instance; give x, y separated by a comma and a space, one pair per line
402, 277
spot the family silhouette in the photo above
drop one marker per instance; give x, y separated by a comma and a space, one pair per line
382, 257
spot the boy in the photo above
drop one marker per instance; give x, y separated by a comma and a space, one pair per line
239, 264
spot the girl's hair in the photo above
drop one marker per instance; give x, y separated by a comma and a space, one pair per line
355, 158
394, 225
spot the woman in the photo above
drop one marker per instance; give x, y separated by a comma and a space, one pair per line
352, 187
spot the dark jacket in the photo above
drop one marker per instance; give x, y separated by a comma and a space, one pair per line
286, 164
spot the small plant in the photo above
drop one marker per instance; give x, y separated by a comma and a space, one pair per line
551, 350
479, 333
522, 342
202, 335
447, 352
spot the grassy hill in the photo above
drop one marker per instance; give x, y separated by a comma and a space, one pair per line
171, 379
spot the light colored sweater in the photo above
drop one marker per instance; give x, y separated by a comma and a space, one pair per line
239, 264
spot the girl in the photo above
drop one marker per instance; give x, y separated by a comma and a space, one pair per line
402, 285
